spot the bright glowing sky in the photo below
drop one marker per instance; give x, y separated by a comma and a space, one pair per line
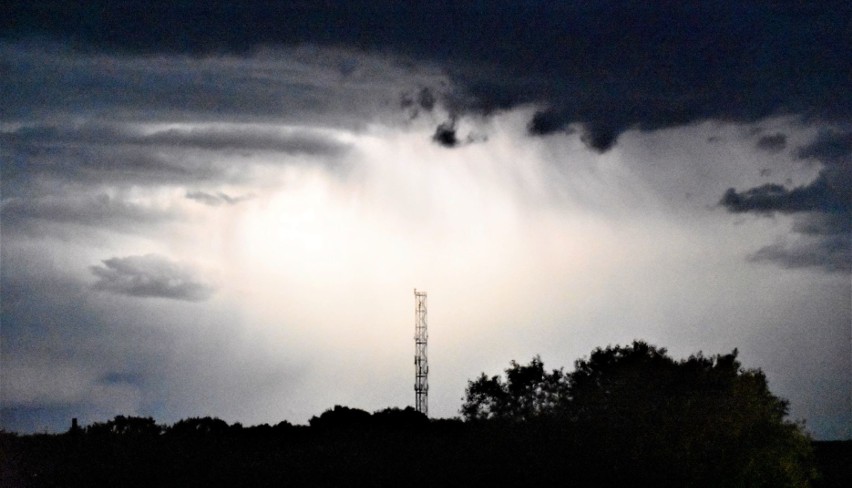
237, 234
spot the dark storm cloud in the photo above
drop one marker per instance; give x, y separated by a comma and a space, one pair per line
608, 66
822, 224
45, 82
772, 143
818, 196
830, 192
822, 208
48, 79
93, 165
151, 276
424, 100
829, 146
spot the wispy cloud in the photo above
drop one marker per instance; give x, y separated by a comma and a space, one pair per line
216, 199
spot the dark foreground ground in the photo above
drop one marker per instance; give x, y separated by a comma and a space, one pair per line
834, 462
438, 453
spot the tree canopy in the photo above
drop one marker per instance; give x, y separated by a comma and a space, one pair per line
528, 392
655, 418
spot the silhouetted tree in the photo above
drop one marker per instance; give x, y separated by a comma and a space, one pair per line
632, 415
705, 417
528, 392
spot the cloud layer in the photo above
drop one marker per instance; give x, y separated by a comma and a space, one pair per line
151, 276
608, 67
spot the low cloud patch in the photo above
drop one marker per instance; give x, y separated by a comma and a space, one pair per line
817, 196
151, 276
833, 254
773, 143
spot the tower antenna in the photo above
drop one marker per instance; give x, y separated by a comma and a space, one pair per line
421, 365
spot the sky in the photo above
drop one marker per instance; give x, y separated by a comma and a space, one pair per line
223, 210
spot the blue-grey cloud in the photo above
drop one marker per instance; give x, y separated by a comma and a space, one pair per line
111, 152
818, 196
121, 377
830, 192
55, 173
151, 276
31, 213
772, 143
424, 100
833, 253
830, 146
822, 208
233, 138
607, 66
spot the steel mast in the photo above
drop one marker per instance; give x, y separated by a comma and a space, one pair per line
421, 364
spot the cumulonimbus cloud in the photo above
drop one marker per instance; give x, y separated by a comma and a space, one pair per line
604, 66
151, 276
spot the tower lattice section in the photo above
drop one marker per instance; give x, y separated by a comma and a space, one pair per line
421, 364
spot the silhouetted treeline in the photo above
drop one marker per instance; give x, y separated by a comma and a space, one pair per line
627, 416
342, 447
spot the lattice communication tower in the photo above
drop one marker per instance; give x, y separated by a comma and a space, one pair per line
421, 365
